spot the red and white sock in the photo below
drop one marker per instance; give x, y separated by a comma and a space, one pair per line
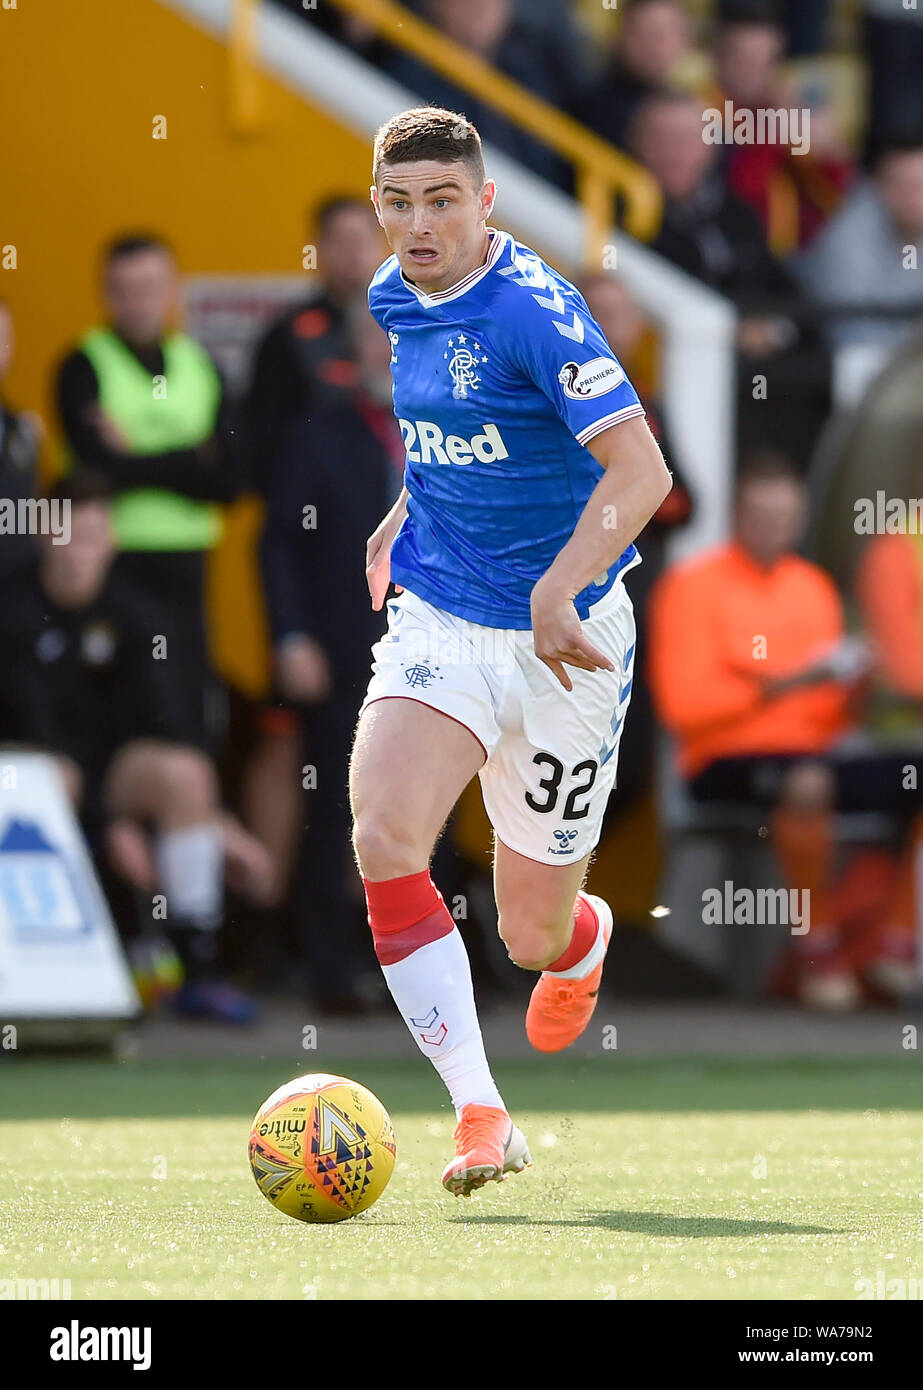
425, 965
587, 945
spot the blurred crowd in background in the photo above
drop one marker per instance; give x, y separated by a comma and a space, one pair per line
237, 812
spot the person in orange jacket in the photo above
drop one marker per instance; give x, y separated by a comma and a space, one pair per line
889, 593
754, 676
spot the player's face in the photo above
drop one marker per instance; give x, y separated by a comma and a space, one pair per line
433, 215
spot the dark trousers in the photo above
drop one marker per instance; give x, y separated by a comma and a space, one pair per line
175, 582
336, 938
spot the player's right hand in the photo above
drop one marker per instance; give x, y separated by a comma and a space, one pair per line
558, 637
378, 560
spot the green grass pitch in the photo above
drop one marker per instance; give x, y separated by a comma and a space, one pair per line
654, 1179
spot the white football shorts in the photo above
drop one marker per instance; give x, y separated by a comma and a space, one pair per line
551, 753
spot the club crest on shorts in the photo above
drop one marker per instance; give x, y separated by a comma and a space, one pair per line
419, 676
467, 356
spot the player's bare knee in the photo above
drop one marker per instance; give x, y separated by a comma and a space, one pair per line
530, 946
385, 848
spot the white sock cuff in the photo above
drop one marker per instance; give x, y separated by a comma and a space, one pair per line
593, 957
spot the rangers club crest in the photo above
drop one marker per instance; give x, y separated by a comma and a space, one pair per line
467, 356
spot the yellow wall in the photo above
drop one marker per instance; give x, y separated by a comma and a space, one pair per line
80, 86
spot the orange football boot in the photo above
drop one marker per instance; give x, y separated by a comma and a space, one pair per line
560, 1008
487, 1147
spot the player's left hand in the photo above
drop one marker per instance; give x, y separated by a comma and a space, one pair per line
558, 635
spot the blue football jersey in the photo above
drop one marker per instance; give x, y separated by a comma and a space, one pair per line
499, 382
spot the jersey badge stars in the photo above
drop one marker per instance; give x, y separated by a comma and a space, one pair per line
467, 356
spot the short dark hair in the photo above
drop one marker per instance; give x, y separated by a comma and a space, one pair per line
749, 14
81, 487
634, 6
763, 465
324, 213
654, 97
429, 132
120, 248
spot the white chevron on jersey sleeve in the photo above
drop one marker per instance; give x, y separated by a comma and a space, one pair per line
553, 304
574, 330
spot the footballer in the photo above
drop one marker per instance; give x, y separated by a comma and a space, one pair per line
510, 645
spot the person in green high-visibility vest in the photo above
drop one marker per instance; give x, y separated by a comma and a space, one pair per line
143, 404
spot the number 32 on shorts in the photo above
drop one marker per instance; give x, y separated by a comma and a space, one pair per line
551, 784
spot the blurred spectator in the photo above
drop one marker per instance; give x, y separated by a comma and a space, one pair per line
629, 335
804, 21
143, 404
724, 684
792, 192
20, 437
336, 476
529, 55
706, 230
84, 682
714, 236
758, 691
653, 39
349, 29
303, 367
867, 260
301, 364
893, 40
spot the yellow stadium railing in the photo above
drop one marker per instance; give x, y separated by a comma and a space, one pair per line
602, 173
242, 71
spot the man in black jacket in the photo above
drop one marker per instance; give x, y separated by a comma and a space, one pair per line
711, 234
336, 476
302, 364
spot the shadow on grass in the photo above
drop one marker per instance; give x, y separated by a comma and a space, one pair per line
657, 1223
